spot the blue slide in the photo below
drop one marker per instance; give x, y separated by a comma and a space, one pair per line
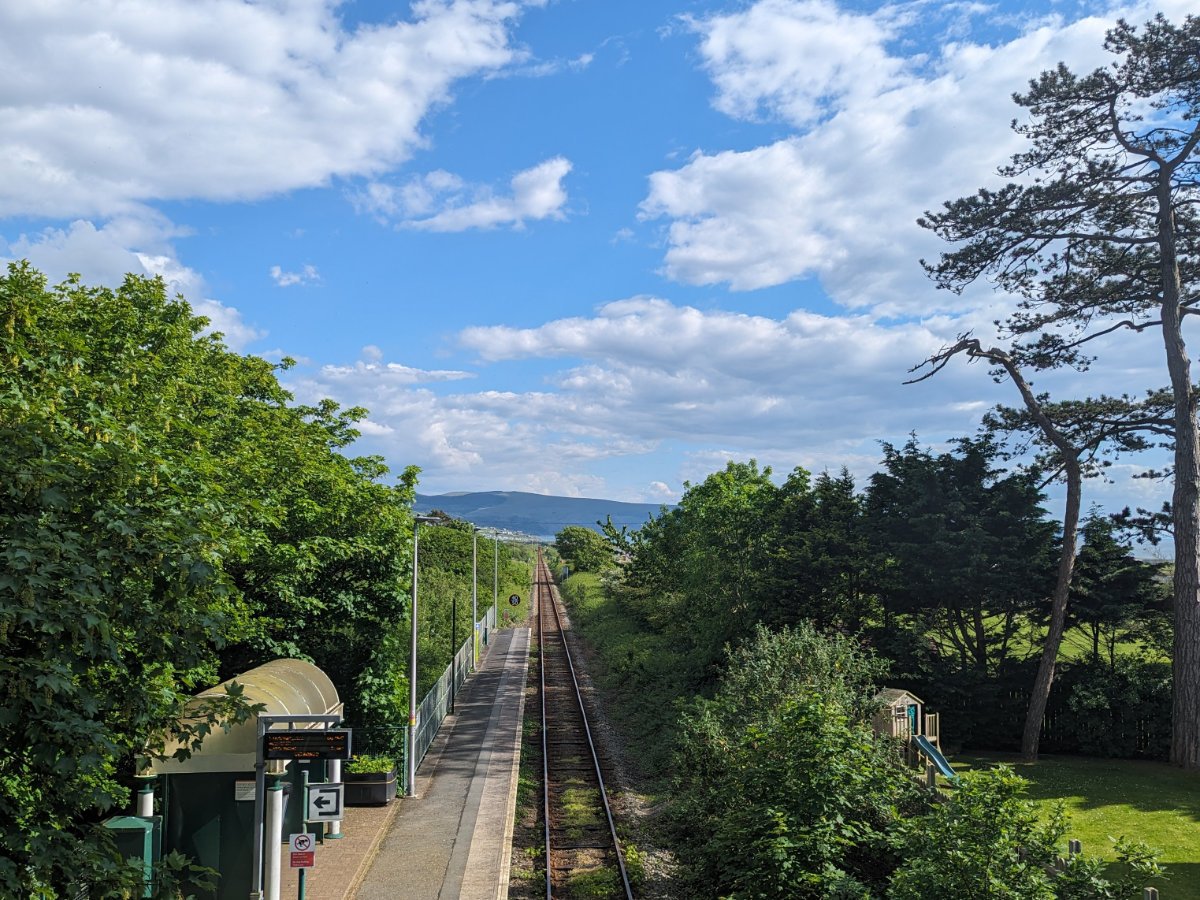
936, 757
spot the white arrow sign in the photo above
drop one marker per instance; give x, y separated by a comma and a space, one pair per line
324, 802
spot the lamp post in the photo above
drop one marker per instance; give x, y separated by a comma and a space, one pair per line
453, 647
495, 568
474, 596
411, 768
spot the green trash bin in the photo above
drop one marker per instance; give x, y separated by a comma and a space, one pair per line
138, 840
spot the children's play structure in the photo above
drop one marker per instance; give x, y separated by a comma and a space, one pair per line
902, 716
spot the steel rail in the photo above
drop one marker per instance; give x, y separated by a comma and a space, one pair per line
541, 592
547, 591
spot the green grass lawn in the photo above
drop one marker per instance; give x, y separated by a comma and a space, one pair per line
1149, 801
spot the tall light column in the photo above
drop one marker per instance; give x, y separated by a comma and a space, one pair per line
474, 597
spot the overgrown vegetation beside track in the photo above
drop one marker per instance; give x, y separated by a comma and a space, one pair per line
641, 673
777, 787
690, 630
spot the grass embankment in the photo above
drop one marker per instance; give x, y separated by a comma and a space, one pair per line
640, 672
1147, 801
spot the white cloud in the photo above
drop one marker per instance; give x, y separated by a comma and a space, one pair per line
307, 275
110, 103
650, 369
441, 201
649, 386
140, 244
878, 139
551, 67
796, 60
375, 429
660, 490
644, 371
390, 373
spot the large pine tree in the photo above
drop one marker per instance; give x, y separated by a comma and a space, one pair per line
1097, 233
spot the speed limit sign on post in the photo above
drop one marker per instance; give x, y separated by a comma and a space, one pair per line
303, 850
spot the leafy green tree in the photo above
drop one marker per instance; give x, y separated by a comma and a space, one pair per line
167, 517
445, 587
1115, 595
584, 549
984, 842
783, 789
969, 551
1097, 233
113, 534
328, 563
822, 564
699, 570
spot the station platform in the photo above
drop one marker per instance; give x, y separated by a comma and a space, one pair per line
454, 839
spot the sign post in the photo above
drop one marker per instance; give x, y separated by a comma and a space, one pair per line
303, 858
284, 749
324, 803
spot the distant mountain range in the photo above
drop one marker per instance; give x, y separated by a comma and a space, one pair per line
535, 514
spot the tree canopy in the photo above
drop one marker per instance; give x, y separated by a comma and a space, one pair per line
583, 548
167, 517
1096, 236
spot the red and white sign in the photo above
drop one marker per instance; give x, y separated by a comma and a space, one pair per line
303, 851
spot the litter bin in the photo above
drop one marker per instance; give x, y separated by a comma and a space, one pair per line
138, 840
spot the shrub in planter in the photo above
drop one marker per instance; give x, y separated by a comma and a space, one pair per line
369, 780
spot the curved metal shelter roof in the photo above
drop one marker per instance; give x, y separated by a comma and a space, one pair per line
282, 686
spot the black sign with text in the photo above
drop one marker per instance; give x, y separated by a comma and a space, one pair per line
307, 743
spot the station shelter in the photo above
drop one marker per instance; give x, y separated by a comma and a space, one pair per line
207, 800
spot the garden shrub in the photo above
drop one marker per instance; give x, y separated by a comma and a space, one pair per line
783, 790
987, 842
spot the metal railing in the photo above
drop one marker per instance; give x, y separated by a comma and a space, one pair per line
436, 706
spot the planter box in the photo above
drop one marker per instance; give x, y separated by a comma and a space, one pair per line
369, 788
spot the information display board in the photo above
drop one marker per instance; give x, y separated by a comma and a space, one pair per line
307, 743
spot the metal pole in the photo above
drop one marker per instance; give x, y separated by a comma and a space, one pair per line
333, 774
260, 781
303, 828
274, 838
474, 598
411, 773
495, 568
453, 646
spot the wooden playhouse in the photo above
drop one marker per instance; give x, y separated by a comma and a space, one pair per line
903, 716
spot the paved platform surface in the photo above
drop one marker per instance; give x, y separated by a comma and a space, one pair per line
453, 840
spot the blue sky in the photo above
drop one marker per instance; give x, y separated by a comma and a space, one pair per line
579, 247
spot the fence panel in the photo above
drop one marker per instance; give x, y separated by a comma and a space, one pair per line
436, 705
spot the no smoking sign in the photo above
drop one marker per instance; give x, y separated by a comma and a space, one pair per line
303, 851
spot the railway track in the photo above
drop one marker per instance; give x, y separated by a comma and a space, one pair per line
583, 853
